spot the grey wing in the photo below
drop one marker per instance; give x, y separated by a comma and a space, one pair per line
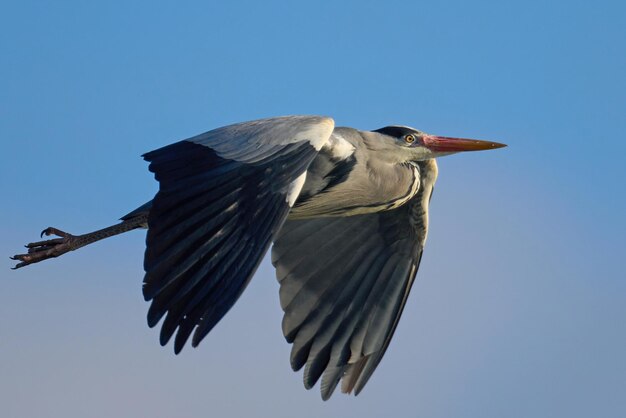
222, 197
344, 282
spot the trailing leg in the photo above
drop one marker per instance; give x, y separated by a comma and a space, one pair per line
43, 250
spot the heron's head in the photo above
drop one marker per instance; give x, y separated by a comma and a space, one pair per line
416, 145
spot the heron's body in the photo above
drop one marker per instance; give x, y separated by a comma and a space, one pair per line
345, 180
347, 211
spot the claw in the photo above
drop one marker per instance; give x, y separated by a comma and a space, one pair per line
47, 232
18, 265
53, 231
43, 250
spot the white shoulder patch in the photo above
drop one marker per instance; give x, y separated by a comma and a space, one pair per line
339, 147
318, 133
294, 189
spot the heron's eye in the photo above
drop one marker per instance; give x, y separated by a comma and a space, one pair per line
409, 139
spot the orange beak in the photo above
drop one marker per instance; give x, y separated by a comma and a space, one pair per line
447, 144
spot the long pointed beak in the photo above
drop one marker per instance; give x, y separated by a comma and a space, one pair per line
447, 144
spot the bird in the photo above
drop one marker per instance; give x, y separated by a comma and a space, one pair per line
346, 214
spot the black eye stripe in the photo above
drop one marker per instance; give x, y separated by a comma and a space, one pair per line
397, 131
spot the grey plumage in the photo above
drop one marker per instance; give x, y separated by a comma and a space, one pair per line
347, 211
344, 283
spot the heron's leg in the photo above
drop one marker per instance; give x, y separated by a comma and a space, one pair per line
43, 250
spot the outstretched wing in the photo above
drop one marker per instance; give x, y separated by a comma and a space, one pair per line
222, 197
344, 282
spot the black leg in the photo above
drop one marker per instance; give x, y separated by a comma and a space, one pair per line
43, 250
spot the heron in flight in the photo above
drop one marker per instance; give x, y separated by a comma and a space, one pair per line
345, 209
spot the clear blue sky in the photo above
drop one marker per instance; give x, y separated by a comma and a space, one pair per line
519, 309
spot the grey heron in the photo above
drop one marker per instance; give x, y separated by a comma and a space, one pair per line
345, 209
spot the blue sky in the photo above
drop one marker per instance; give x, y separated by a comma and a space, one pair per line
520, 303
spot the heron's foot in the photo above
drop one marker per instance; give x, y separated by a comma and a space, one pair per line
43, 250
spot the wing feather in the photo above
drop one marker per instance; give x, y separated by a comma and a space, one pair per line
222, 198
344, 282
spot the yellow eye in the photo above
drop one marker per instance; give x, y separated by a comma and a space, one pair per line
409, 139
